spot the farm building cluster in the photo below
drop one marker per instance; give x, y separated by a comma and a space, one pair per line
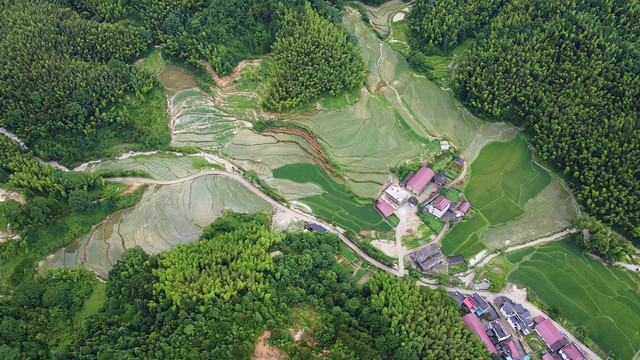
507, 330
437, 205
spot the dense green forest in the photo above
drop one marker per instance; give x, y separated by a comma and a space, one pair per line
311, 56
569, 73
61, 75
213, 298
436, 27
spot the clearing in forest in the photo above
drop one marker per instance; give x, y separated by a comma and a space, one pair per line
603, 299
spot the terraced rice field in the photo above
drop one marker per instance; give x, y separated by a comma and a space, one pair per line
166, 216
160, 167
603, 299
517, 201
334, 203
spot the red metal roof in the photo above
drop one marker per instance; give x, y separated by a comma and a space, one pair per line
471, 321
468, 302
384, 208
548, 332
512, 347
547, 357
442, 203
421, 179
539, 319
572, 352
464, 206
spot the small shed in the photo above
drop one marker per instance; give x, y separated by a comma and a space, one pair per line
385, 209
458, 161
457, 259
440, 178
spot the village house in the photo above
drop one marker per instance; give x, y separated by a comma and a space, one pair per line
420, 180
549, 334
476, 303
440, 178
496, 332
385, 209
429, 259
397, 195
314, 227
471, 321
571, 352
457, 259
406, 179
458, 161
517, 316
463, 208
439, 207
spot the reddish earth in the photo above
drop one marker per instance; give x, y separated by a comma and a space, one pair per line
316, 152
264, 351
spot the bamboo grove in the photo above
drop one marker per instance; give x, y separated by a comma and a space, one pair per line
569, 73
212, 299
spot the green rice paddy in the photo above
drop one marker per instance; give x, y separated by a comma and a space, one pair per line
603, 299
335, 203
516, 200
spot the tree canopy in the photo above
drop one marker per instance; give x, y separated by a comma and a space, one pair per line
311, 56
214, 298
569, 73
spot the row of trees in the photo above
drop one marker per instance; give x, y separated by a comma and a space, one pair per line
598, 238
311, 56
569, 73
213, 298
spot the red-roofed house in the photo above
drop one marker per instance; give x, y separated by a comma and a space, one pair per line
469, 304
548, 332
463, 208
420, 180
547, 357
440, 207
384, 208
539, 319
471, 321
571, 352
512, 348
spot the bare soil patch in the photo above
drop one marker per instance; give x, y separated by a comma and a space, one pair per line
316, 152
6, 195
264, 351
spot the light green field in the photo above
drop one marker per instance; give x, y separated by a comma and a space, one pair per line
517, 201
166, 216
603, 299
334, 204
160, 167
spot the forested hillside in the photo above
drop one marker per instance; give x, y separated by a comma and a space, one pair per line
569, 73
212, 299
311, 56
62, 75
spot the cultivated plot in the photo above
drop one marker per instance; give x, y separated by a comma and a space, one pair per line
335, 203
160, 166
517, 201
603, 299
166, 216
